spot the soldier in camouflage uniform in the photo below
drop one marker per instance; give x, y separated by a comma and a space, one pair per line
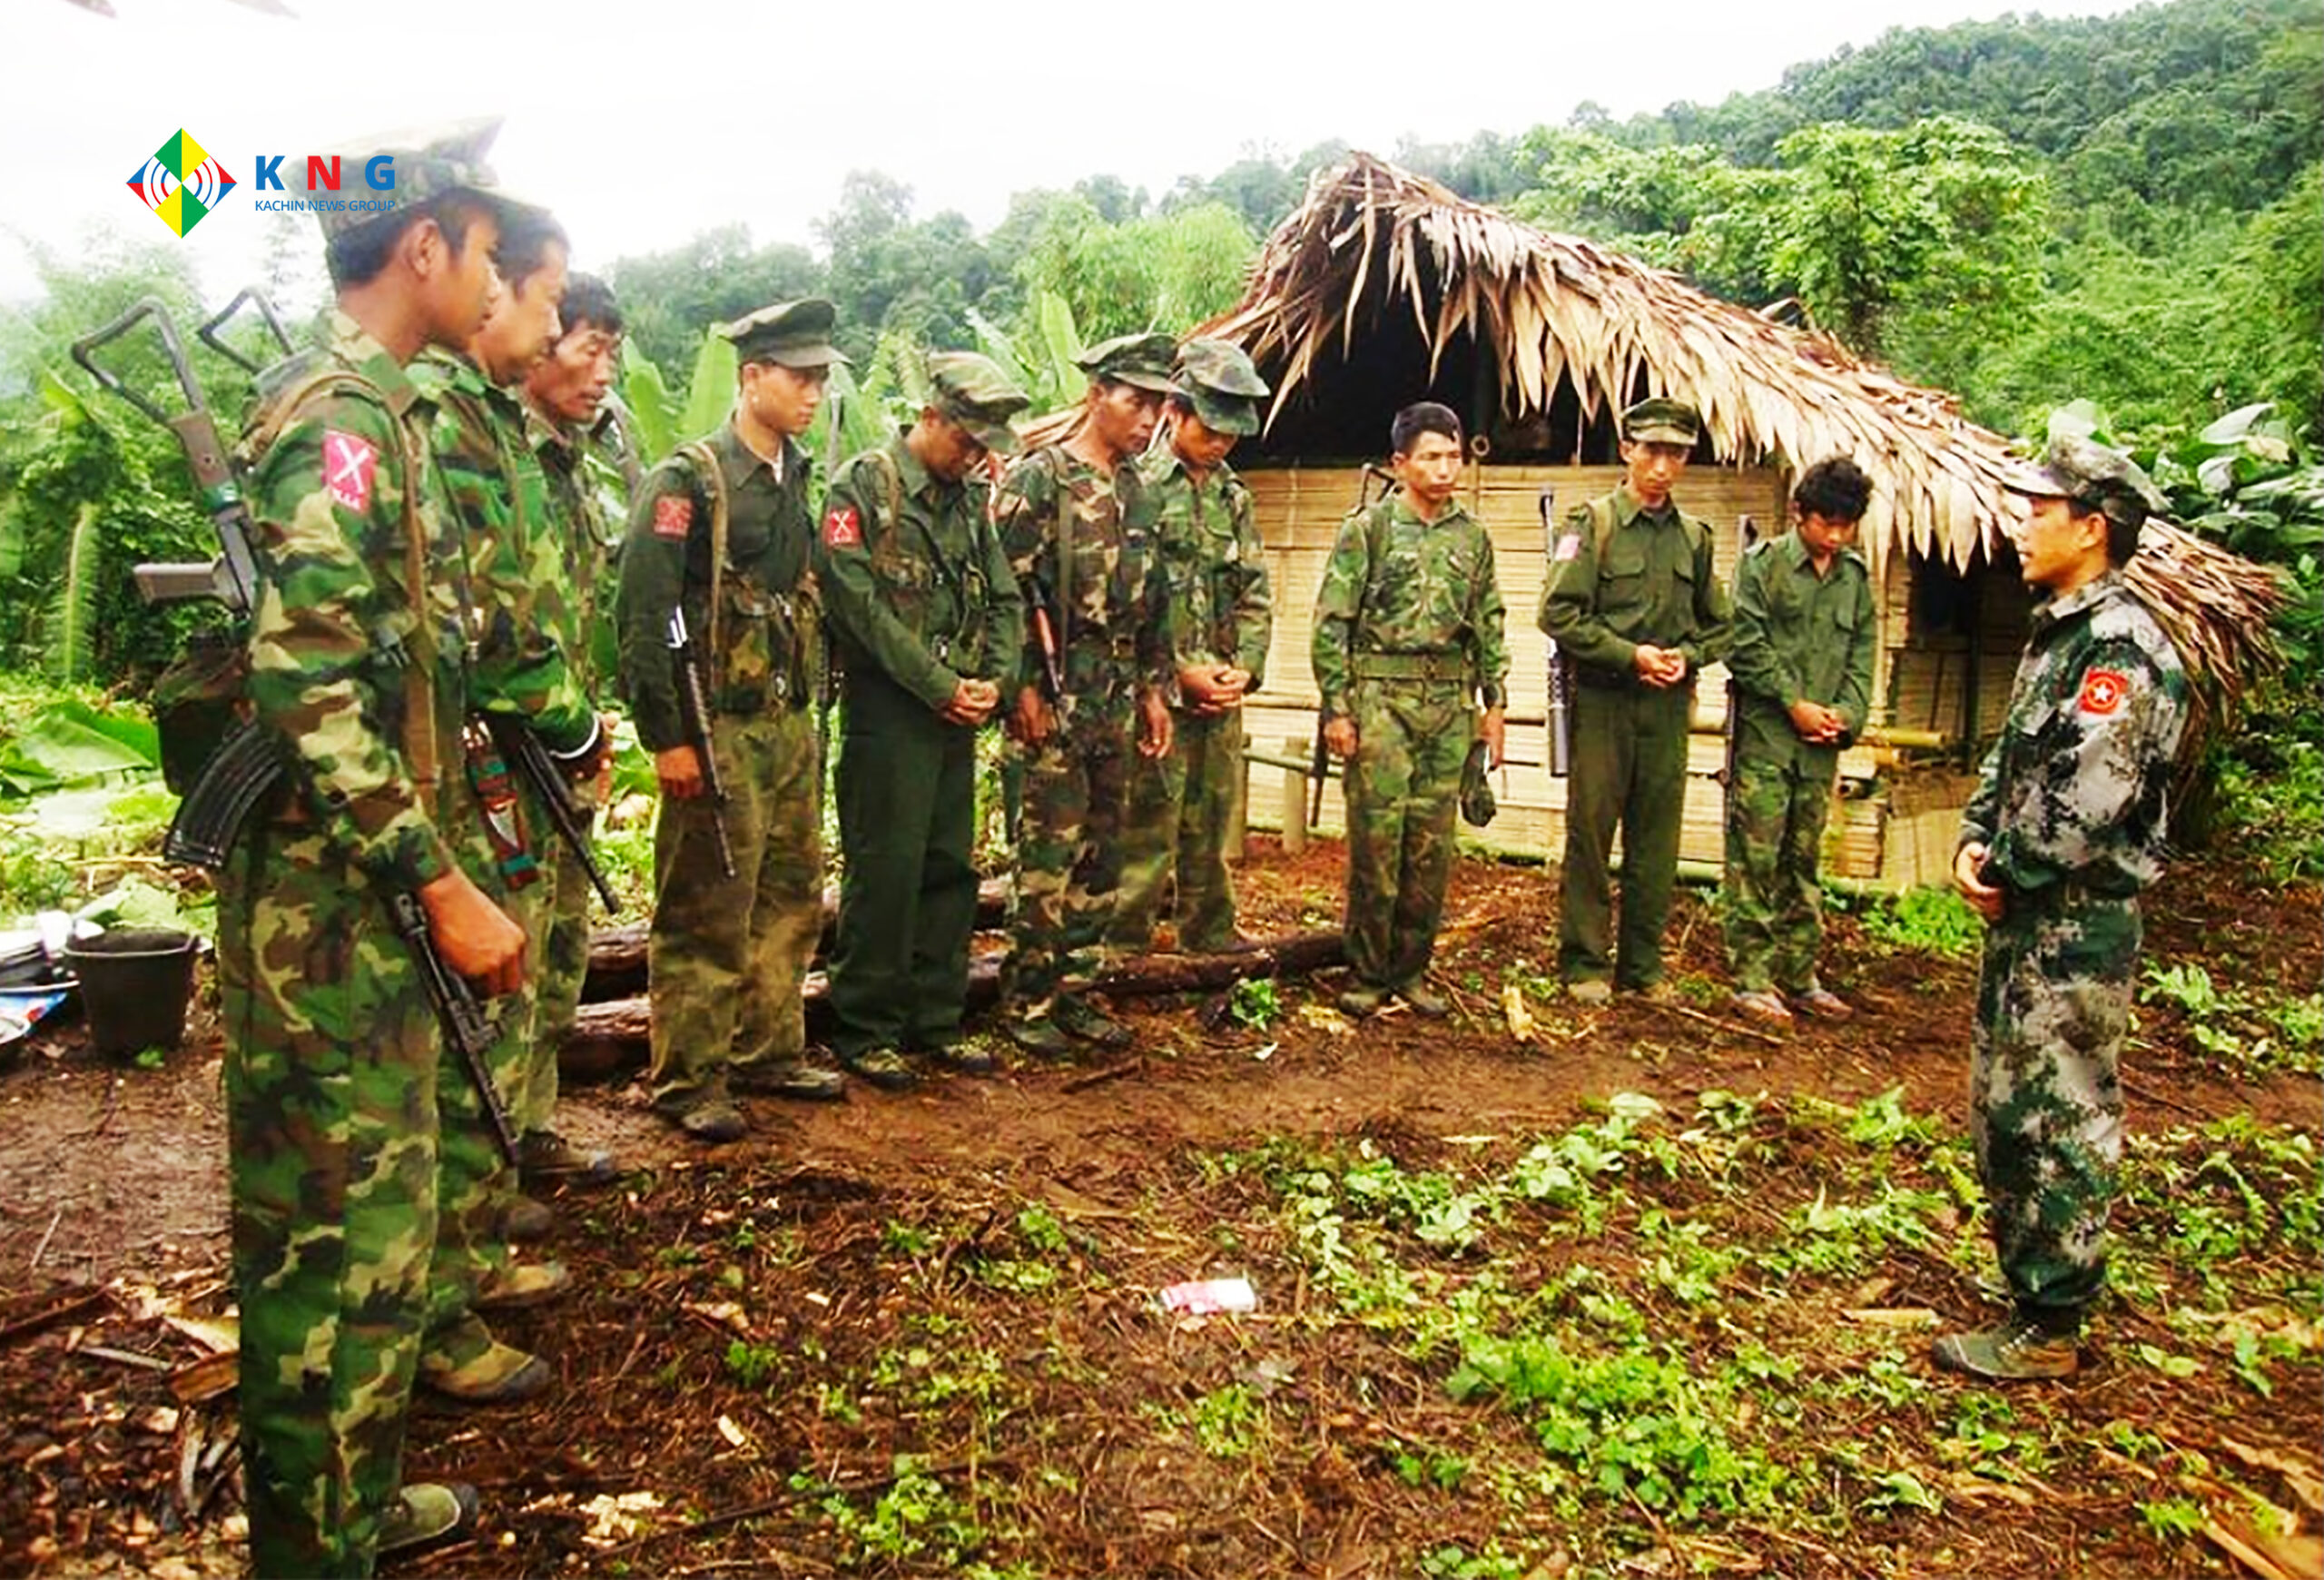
1802, 662
728, 957
1633, 602
567, 425
928, 622
1408, 645
1079, 531
1181, 805
337, 1079
521, 680
2066, 828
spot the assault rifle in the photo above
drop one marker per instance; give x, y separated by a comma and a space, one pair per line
467, 1027
1045, 641
248, 763
694, 717
1560, 675
1746, 534
521, 749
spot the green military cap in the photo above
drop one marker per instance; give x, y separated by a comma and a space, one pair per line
422, 163
974, 392
1662, 421
1218, 380
794, 334
1143, 361
2085, 470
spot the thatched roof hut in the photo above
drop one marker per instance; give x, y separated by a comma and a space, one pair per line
1389, 276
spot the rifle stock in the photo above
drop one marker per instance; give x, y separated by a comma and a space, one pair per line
1560, 670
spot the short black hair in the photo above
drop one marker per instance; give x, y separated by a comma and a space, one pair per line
1421, 417
526, 233
357, 257
1834, 488
2124, 518
589, 302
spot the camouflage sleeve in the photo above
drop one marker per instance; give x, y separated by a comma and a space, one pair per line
326, 504
1024, 512
1255, 599
2098, 756
1488, 635
1854, 704
1339, 601
1005, 624
1570, 598
853, 520
499, 504
1984, 811
1714, 621
653, 579
1757, 661
1157, 624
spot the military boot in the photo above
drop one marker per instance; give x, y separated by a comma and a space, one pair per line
1426, 1000
1361, 1002
521, 1284
884, 1068
546, 1157
959, 1054
789, 1078
1039, 1036
468, 1364
525, 1220
710, 1117
428, 1513
1077, 1017
2021, 1350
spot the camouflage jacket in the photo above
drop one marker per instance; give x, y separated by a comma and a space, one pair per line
1221, 610
1800, 636
1398, 585
1115, 588
516, 572
336, 623
915, 583
1656, 587
2076, 789
588, 501
768, 648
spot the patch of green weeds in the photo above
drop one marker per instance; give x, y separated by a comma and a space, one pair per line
1252, 1003
1928, 921
914, 1519
1453, 1562
2174, 1517
754, 1365
1228, 1422
2254, 1030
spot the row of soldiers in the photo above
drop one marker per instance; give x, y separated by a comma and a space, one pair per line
433, 548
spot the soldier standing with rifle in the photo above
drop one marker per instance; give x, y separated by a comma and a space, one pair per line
1632, 599
1408, 645
926, 616
1079, 535
1181, 805
567, 424
720, 539
1805, 633
338, 1082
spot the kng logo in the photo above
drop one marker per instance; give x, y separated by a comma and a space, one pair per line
180, 182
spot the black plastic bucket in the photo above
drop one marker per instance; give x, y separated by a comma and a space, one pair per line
135, 984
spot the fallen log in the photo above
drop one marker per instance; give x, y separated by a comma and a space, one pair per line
609, 1038
617, 954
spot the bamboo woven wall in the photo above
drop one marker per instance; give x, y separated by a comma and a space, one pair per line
1299, 511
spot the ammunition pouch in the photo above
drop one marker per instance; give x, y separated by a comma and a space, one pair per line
197, 702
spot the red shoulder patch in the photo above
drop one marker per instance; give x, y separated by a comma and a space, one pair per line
673, 516
350, 465
842, 527
2103, 691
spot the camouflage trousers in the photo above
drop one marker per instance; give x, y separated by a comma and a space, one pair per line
1076, 789
1404, 787
1181, 811
1772, 904
728, 957
563, 961
2053, 1002
338, 1087
1629, 769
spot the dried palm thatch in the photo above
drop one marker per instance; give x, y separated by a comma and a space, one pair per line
1372, 241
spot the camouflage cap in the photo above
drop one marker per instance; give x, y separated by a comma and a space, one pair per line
1218, 380
974, 392
1662, 420
791, 334
1478, 802
414, 165
2085, 470
1143, 361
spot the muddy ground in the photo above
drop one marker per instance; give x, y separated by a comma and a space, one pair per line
757, 1333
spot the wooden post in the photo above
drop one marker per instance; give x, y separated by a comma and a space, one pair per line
1294, 800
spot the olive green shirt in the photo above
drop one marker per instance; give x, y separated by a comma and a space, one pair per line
1800, 637
1657, 586
1221, 608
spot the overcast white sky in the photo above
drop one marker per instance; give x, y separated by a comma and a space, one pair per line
643, 123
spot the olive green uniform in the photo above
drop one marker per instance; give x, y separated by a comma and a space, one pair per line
920, 598
728, 957
1653, 584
